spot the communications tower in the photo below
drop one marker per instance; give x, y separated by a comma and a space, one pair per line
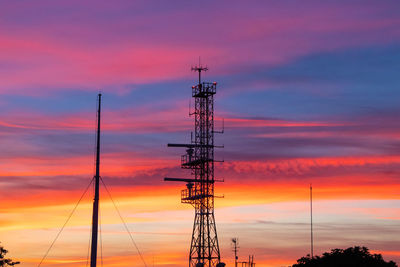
199, 158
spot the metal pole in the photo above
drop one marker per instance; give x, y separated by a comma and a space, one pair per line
236, 257
311, 213
95, 218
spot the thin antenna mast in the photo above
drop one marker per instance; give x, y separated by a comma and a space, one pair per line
311, 217
95, 218
235, 243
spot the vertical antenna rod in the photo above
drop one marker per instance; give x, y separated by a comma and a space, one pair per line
235, 249
312, 238
95, 218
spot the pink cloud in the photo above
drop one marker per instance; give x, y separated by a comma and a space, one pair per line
97, 54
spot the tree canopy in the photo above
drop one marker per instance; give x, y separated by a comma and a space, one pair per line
350, 257
3, 260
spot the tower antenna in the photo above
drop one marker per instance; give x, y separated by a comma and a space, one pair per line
235, 243
95, 218
199, 158
199, 68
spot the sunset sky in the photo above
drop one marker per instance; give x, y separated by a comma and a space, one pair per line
309, 92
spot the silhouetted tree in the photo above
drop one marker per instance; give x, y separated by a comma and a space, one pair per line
3, 260
350, 257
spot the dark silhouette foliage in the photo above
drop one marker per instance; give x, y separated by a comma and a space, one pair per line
3, 261
350, 257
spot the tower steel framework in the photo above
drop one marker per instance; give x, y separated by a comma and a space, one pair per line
199, 158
